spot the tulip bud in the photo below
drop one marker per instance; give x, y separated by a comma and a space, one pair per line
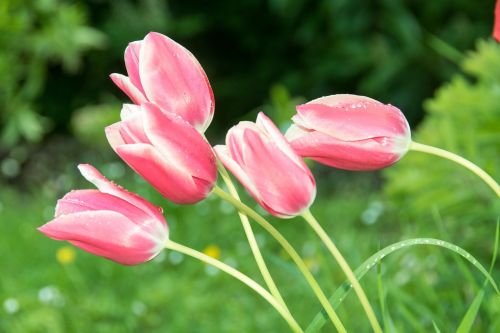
165, 73
496, 26
350, 132
263, 161
109, 222
166, 151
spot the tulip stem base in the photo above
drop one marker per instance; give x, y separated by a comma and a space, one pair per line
261, 264
345, 267
290, 251
171, 245
459, 160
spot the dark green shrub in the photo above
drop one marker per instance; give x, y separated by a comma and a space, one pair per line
34, 35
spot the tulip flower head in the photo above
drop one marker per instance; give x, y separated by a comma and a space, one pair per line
496, 27
165, 73
109, 222
166, 151
350, 132
263, 161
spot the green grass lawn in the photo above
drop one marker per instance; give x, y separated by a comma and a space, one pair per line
173, 293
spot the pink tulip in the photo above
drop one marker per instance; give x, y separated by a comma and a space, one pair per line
496, 27
165, 73
109, 222
350, 132
166, 150
263, 161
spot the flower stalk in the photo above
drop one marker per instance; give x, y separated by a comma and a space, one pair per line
415, 146
345, 267
290, 251
171, 245
251, 240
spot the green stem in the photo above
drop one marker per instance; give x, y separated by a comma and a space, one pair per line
291, 252
345, 267
251, 239
460, 160
237, 275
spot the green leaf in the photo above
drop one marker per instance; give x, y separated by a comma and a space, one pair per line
436, 328
470, 315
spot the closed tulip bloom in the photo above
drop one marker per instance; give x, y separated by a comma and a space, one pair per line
109, 222
263, 161
166, 151
496, 26
165, 73
350, 132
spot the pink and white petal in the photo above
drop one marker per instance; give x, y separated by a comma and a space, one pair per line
225, 157
235, 142
353, 121
363, 155
281, 183
113, 135
337, 99
129, 110
132, 130
278, 139
104, 185
179, 142
171, 181
173, 78
132, 64
105, 233
123, 82
295, 131
91, 200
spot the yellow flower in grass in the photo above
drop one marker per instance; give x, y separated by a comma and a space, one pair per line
212, 251
66, 255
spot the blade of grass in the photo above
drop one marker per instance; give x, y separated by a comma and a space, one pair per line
471, 314
436, 328
337, 297
382, 295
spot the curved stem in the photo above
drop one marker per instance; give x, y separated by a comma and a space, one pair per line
251, 240
237, 275
345, 267
291, 252
459, 160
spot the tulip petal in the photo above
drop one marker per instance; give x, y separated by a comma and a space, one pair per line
129, 110
113, 135
268, 127
361, 155
265, 162
132, 64
224, 155
352, 121
172, 78
104, 185
87, 200
496, 26
132, 130
171, 181
179, 142
96, 232
128, 88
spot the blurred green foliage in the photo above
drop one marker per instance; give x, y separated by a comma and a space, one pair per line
33, 36
385, 49
464, 118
